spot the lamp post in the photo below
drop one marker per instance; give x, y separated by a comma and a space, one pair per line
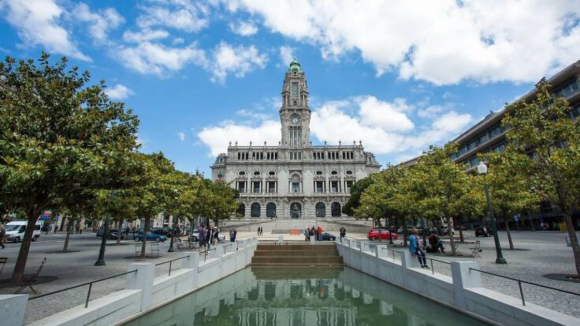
482, 169
101, 260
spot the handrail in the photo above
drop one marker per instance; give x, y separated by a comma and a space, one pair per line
90, 284
170, 262
522, 281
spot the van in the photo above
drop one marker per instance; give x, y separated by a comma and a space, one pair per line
15, 230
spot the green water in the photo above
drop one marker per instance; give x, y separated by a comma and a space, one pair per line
301, 297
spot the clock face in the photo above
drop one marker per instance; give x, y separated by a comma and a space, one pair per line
295, 119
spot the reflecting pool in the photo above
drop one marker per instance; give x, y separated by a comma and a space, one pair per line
264, 296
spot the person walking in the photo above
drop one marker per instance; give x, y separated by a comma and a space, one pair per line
306, 233
319, 232
233, 234
414, 248
342, 233
209, 237
202, 236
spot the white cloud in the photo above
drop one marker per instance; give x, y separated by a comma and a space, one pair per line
286, 55
150, 58
237, 60
181, 135
431, 111
218, 138
118, 92
38, 23
188, 16
99, 24
444, 42
244, 28
177, 40
145, 35
363, 118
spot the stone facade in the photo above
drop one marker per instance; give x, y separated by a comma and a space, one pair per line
294, 179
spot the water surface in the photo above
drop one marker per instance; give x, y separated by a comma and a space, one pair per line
266, 296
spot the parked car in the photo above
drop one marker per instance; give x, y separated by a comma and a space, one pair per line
384, 234
328, 236
482, 231
113, 233
151, 237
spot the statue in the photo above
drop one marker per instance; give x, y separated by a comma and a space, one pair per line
295, 211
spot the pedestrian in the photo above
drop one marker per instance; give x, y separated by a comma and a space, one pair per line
55, 228
414, 248
202, 236
2, 236
342, 233
258, 230
306, 233
215, 235
233, 234
319, 233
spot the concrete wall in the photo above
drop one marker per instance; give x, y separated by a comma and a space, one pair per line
143, 291
463, 290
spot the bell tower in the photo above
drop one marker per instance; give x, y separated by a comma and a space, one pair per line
295, 113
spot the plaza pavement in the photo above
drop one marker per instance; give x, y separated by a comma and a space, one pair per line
536, 254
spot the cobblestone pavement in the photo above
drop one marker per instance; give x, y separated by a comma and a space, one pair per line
536, 254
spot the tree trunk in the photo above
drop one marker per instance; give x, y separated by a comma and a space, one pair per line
461, 239
66, 239
573, 241
145, 231
20, 266
451, 240
62, 223
509, 234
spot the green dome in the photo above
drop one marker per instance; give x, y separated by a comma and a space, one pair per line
294, 65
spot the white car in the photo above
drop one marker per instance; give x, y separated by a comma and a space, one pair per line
195, 236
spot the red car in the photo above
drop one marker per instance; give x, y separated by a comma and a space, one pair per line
385, 234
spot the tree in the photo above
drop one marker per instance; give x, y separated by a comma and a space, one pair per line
544, 143
355, 193
57, 134
439, 184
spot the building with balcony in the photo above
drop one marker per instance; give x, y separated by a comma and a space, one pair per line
294, 179
488, 135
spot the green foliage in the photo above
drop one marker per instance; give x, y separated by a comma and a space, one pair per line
355, 195
58, 134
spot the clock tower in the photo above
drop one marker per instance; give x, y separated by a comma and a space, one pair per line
295, 114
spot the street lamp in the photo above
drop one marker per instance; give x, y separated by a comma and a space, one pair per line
482, 169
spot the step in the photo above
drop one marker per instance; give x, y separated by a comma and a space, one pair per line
298, 260
297, 247
301, 253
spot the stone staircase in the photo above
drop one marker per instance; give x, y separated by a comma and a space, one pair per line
294, 254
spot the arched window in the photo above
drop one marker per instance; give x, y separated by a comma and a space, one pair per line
255, 210
320, 210
271, 210
335, 209
241, 210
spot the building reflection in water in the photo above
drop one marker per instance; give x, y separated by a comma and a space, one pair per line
297, 297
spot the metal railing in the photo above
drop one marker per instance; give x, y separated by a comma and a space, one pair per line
90, 284
522, 281
170, 262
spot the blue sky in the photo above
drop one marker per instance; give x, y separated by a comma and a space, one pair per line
396, 75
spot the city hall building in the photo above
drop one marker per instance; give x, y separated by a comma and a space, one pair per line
295, 179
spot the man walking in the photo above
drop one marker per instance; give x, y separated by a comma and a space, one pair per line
342, 233
209, 237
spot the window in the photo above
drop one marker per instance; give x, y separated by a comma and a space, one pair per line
295, 187
334, 173
257, 187
294, 90
335, 209
495, 132
318, 172
349, 172
333, 186
320, 210
241, 210
295, 136
257, 173
295, 155
242, 173
255, 210
241, 186
319, 186
271, 210
271, 187
271, 173
349, 185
